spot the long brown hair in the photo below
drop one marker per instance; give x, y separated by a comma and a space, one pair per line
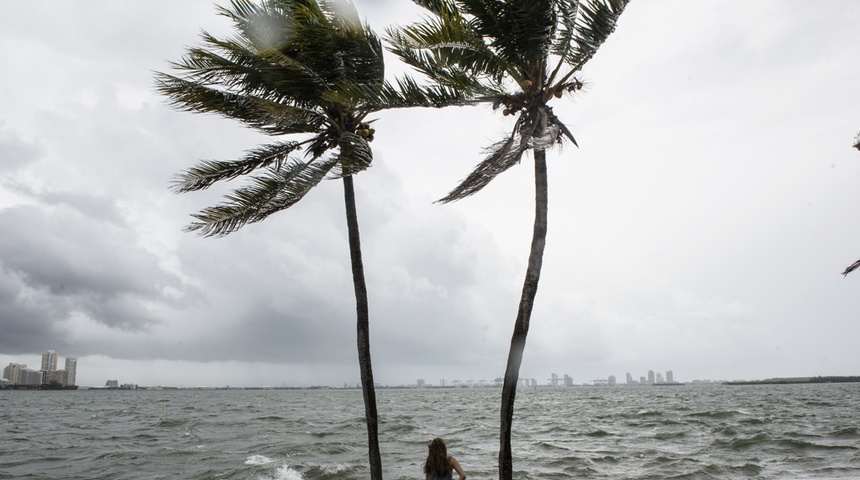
437, 458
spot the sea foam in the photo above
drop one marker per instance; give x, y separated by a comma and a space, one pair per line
258, 460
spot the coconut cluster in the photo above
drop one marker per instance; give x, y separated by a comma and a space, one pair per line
513, 106
364, 130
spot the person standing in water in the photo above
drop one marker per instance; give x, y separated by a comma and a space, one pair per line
440, 465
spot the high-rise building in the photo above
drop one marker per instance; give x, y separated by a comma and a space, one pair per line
28, 376
554, 380
612, 380
659, 378
419, 382
670, 377
12, 372
71, 370
568, 380
59, 377
49, 361
650, 377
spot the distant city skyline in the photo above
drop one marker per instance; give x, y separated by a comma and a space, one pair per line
48, 373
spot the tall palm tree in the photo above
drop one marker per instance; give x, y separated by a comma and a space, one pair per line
516, 55
273, 75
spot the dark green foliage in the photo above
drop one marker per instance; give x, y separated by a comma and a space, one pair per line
516, 55
279, 75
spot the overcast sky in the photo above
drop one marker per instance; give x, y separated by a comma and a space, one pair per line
701, 226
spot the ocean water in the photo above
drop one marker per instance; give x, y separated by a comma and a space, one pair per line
681, 432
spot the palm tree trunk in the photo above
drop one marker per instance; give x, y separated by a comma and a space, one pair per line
363, 328
521, 327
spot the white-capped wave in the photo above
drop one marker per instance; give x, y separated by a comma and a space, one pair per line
335, 469
258, 460
287, 473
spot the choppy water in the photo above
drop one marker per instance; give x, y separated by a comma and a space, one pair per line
719, 432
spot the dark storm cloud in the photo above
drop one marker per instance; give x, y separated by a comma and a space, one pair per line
73, 263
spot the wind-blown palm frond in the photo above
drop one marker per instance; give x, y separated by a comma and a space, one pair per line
595, 23
276, 190
448, 51
500, 157
520, 32
477, 48
265, 115
405, 92
206, 173
851, 268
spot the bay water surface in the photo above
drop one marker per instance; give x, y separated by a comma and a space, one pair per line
775, 432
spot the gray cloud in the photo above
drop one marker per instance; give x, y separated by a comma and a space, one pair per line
16, 152
701, 226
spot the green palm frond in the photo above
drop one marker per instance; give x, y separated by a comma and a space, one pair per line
268, 73
477, 47
437, 7
275, 74
266, 115
405, 92
519, 31
447, 50
595, 22
207, 172
271, 192
500, 157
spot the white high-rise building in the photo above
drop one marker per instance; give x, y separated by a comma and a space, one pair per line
13, 372
71, 370
49, 361
670, 377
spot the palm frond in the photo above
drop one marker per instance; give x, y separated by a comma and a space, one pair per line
437, 7
448, 51
207, 172
851, 268
595, 22
562, 42
273, 74
519, 31
276, 190
500, 157
260, 113
405, 92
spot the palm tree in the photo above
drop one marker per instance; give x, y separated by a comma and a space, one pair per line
273, 75
516, 55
